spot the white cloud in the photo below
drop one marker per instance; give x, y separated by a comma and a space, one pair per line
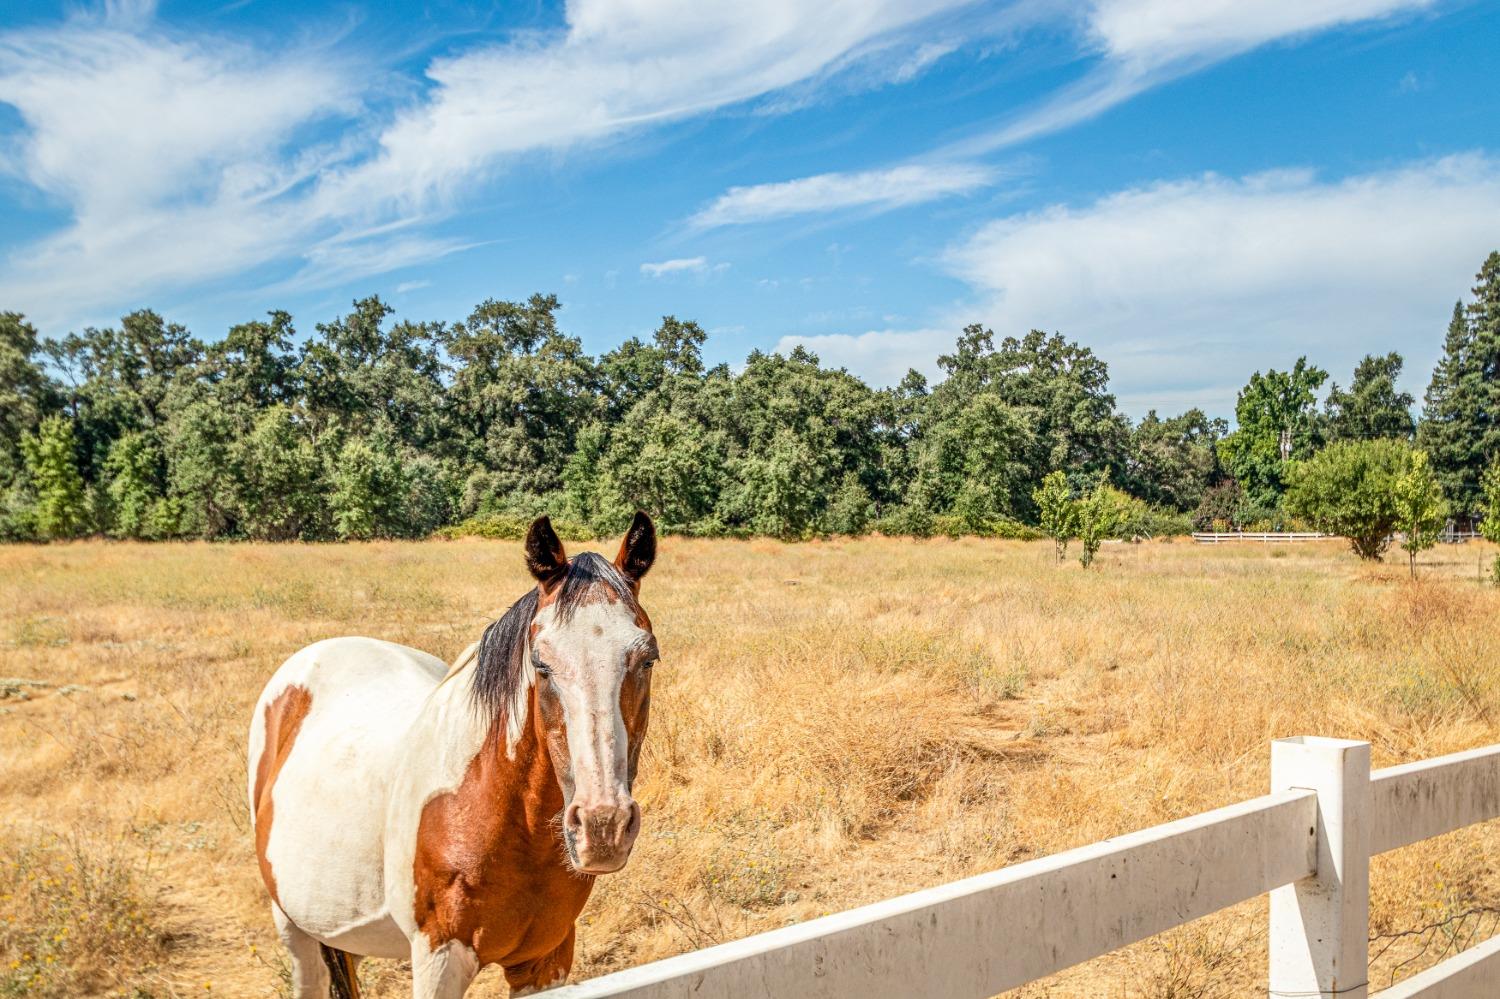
881, 357
1145, 43
617, 67
1153, 32
1186, 287
909, 184
185, 159
170, 155
682, 265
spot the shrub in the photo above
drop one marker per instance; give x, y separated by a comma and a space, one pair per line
1420, 509
1100, 514
513, 527
909, 519
1058, 511
76, 916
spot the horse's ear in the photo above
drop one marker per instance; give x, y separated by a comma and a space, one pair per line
545, 557
638, 550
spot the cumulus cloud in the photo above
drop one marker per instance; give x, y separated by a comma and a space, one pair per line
1186, 286
908, 184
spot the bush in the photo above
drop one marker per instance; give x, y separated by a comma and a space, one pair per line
849, 509
907, 520
513, 527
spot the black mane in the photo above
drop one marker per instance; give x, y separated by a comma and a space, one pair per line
501, 658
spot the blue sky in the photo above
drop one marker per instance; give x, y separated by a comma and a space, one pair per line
1194, 188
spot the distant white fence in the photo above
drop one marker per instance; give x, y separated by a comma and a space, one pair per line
1308, 843
1266, 537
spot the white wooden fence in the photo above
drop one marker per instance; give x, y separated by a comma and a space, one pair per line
1308, 843
1265, 537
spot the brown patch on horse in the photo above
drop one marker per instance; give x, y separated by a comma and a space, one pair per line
490, 869
284, 717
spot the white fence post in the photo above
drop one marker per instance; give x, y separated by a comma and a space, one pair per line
1320, 925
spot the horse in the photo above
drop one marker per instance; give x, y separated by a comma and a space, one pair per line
458, 816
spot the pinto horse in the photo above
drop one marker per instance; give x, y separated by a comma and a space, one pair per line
458, 817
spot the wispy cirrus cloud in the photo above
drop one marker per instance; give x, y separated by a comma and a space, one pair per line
908, 184
1138, 44
182, 159
682, 265
1144, 43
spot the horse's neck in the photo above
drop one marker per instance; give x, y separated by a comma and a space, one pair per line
504, 765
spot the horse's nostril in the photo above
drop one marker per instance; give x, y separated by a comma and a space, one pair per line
634, 825
574, 817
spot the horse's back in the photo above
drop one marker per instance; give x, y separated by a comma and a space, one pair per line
325, 741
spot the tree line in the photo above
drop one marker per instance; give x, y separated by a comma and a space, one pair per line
371, 427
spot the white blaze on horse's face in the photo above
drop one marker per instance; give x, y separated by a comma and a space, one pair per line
593, 675
592, 651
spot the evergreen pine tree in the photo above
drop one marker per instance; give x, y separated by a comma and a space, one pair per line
1461, 412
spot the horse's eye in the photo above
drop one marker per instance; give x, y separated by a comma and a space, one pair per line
542, 669
648, 664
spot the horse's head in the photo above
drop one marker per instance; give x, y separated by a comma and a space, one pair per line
592, 650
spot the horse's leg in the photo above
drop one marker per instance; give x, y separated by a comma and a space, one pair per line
309, 973
543, 972
444, 973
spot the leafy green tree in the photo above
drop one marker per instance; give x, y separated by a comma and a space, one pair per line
1273, 404
362, 372
520, 393
26, 392
1100, 514
1371, 407
1351, 488
51, 456
1489, 527
135, 472
202, 478
123, 380
1060, 386
255, 367
666, 460
1420, 509
777, 491
1058, 511
1459, 426
977, 463
279, 488
1171, 462
368, 486
850, 509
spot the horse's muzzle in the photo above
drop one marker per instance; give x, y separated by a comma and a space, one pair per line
602, 834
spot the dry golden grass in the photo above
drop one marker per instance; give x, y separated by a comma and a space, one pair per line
834, 723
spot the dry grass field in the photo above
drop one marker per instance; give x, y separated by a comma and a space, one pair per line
834, 723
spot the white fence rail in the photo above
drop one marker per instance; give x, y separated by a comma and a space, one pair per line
1265, 537
1308, 843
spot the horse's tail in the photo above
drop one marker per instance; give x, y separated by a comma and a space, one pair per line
341, 969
